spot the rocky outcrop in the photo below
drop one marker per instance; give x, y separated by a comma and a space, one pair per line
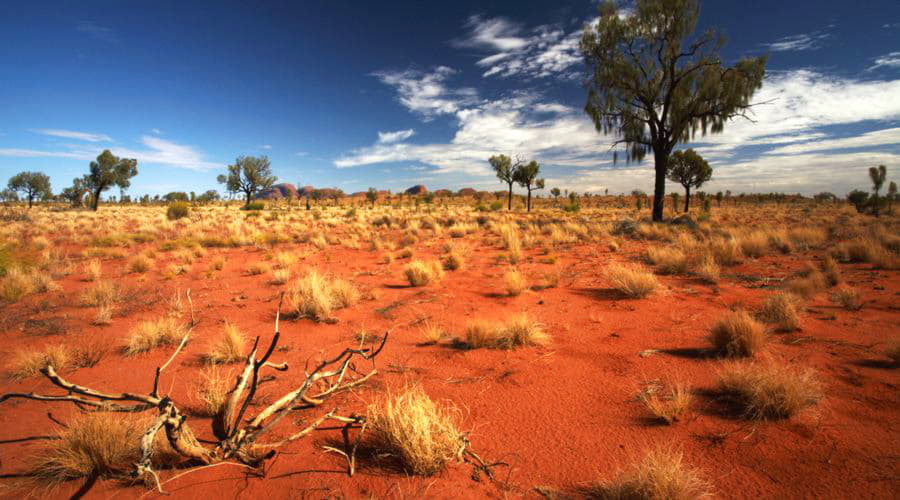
278, 192
417, 189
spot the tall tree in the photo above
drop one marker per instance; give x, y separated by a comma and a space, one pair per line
892, 194
506, 170
372, 196
109, 170
248, 175
690, 170
878, 175
655, 85
32, 185
75, 193
526, 175
555, 192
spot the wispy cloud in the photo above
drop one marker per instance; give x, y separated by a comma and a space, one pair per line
265, 146
891, 60
426, 93
71, 134
803, 41
97, 32
398, 136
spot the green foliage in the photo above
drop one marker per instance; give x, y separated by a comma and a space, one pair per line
505, 170
248, 175
107, 171
656, 85
526, 176
571, 207
496, 206
178, 210
878, 175
32, 185
176, 196
256, 205
690, 170
372, 196
859, 199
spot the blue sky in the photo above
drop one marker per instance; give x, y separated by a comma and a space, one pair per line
359, 94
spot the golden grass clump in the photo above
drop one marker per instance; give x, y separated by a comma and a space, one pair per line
847, 297
755, 244
230, 347
317, 297
668, 260
831, 271
769, 390
29, 363
633, 282
708, 269
432, 333
93, 271
661, 474
727, 252
515, 283
518, 331
421, 273
807, 283
103, 445
781, 310
453, 261
257, 268
15, 285
737, 334
281, 276
139, 264
667, 402
99, 294
212, 391
415, 430
147, 335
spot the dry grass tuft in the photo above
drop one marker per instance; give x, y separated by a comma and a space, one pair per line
432, 333
93, 270
103, 445
831, 271
847, 297
808, 283
101, 293
737, 334
519, 330
139, 264
631, 281
661, 474
281, 276
667, 402
781, 310
668, 260
421, 273
230, 347
708, 269
755, 244
770, 390
28, 363
317, 297
410, 427
147, 335
515, 283
212, 391
453, 261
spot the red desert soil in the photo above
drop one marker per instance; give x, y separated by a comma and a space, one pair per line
560, 415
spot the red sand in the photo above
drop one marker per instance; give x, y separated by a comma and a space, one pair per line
560, 416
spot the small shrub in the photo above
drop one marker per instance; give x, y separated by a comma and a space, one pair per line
212, 391
453, 261
517, 331
807, 283
667, 260
660, 474
421, 273
432, 333
848, 298
769, 391
147, 335
178, 210
831, 271
737, 334
667, 403
255, 205
28, 363
281, 276
258, 268
632, 282
755, 244
410, 427
139, 264
15, 285
317, 297
780, 309
99, 294
515, 283
230, 347
727, 252
708, 270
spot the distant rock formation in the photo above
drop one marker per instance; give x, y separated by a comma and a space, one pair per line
306, 191
278, 192
443, 193
417, 189
466, 192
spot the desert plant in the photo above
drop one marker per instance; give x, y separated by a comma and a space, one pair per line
667, 260
781, 310
769, 390
212, 391
178, 210
737, 334
847, 297
281, 276
317, 297
515, 283
99, 294
517, 331
432, 333
28, 363
661, 474
667, 402
633, 282
139, 264
421, 273
147, 335
413, 429
755, 244
708, 270
230, 347
453, 261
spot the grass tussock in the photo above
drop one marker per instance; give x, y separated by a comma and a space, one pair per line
148, 335
230, 347
415, 430
421, 273
515, 283
212, 391
667, 402
101, 293
633, 282
432, 333
316, 296
847, 297
668, 260
661, 474
737, 334
454, 261
105, 445
769, 390
29, 362
708, 270
518, 331
781, 309
139, 264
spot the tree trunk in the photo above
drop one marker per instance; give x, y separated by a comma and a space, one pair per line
659, 190
687, 198
95, 203
529, 200
875, 202
248, 193
509, 198
30, 199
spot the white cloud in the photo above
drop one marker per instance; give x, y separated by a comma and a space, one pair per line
398, 136
265, 146
803, 41
33, 153
891, 60
71, 134
495, 33
156, 131
426, 93
884, 137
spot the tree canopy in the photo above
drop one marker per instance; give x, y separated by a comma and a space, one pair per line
248, 175
32, 185
526, 175
653, 85
505, 169
107, 171
690, 170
